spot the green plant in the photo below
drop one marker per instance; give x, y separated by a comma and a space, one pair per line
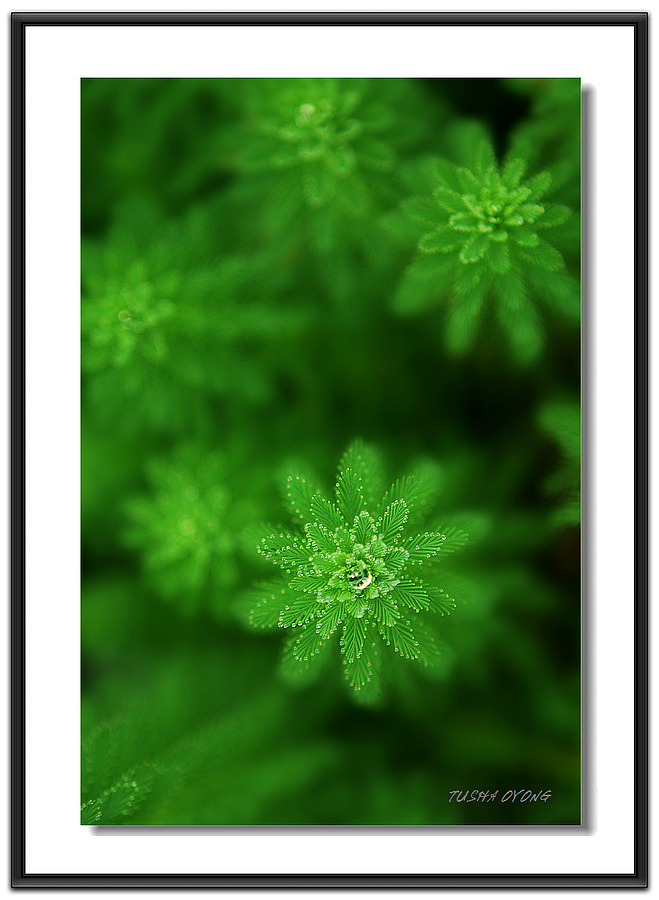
561, 420
483, 242
330, 140
316, 161
348, 572
193, 745
258, 260
168, 320
186, 528
549, 135
122, 798
150, 137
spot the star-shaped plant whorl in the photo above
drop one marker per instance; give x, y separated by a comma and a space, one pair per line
329, 142
346, 573
185, 528
484, 227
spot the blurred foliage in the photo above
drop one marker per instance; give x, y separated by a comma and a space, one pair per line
247, 256
171, 320
562, 421
186, 528
486, 242
547, 135
331, 142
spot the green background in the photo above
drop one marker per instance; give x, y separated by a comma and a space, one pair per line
238, 323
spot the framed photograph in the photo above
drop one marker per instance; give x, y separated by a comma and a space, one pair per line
329, 450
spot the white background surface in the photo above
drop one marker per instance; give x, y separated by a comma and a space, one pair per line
52, 622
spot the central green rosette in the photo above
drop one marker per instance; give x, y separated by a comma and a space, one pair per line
346, 572
357, 566
325, 133
496, 214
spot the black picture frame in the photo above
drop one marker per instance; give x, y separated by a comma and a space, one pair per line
21, 21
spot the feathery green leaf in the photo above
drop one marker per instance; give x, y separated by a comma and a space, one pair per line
393, 520
325, 513
352, 639
349, 495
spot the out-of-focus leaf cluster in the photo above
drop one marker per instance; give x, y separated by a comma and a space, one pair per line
247, 253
